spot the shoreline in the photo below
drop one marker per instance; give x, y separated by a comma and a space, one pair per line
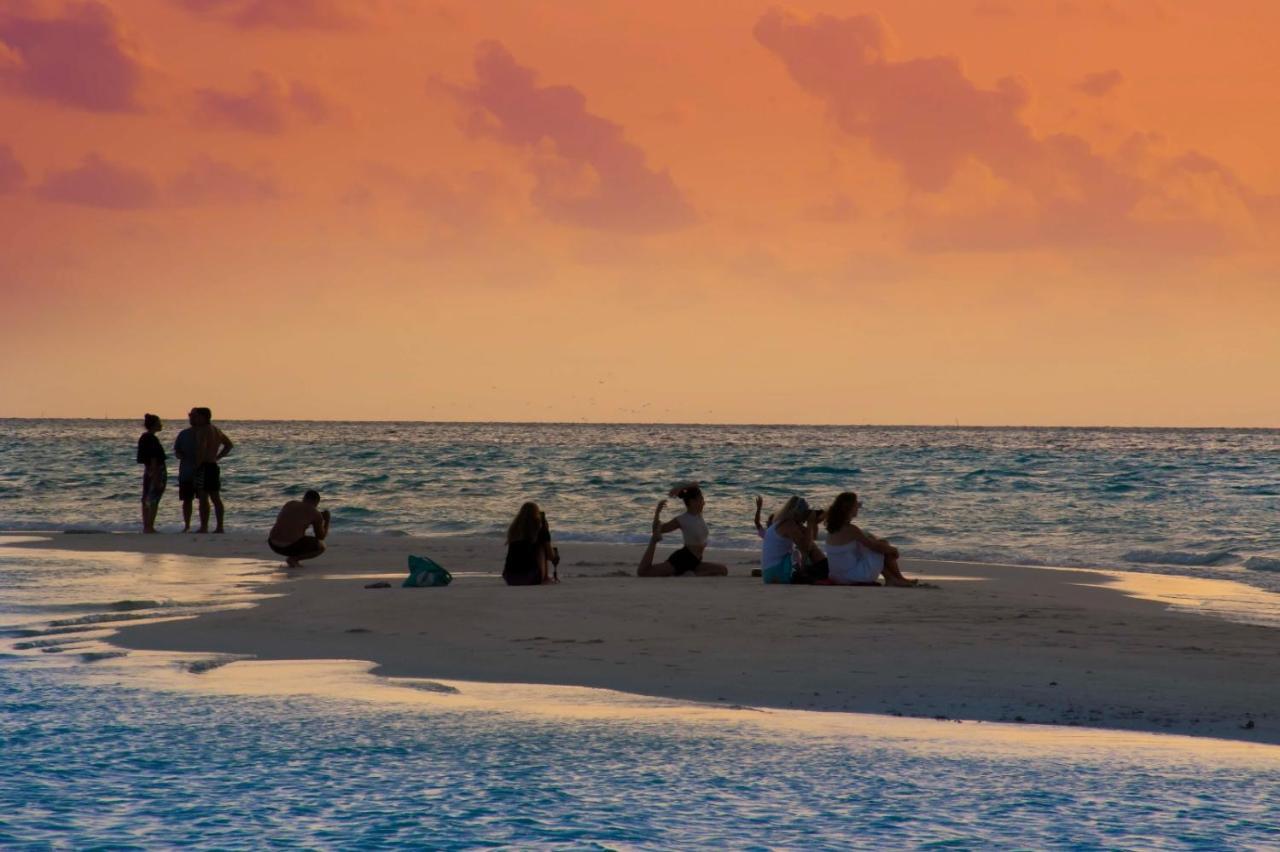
993, 643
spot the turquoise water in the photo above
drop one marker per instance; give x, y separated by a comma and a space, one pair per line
1196, 502
137, 750
132, 768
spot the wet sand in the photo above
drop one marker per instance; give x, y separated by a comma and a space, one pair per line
991, 642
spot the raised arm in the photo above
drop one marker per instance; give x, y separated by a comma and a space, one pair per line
658, 525
799, 534
759, 507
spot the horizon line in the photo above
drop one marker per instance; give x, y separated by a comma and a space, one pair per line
955, 425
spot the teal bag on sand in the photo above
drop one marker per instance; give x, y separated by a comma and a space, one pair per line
426, 572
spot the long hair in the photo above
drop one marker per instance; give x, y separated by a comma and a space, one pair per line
841, 511
792, 510
526, 525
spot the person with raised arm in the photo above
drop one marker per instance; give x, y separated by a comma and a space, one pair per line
688, 559
760, 528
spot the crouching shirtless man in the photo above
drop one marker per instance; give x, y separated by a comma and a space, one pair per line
289, 536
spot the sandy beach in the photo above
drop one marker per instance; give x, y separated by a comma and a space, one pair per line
990, 643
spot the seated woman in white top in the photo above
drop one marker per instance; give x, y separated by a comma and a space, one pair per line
858, 558
688, 559
793, 528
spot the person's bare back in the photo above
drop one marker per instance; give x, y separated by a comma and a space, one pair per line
292, 522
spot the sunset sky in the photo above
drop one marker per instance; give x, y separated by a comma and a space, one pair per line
829, 212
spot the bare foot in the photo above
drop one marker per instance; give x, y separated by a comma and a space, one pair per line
202, 530
293, 563
219, 531
657, 520
902, 583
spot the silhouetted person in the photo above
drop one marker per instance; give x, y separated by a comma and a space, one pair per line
688, 559
289, 535
211, 447
184, 449
155, 475
528, 548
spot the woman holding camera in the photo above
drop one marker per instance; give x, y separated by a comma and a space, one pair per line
794, 527
688, 559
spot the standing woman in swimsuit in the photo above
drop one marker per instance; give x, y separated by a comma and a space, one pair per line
688, 559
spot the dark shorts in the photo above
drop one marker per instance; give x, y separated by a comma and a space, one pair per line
308, 545
153, 489
813, 571
186, 489
208, 478
684, 560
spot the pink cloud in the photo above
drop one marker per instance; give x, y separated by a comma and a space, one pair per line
81, 58
587, 173
1100, 83
12, 174
270, 106
278, 14
209, 181
99, 183
930, 119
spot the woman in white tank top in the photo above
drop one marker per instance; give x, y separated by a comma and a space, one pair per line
688, 559
858, 558
793, 529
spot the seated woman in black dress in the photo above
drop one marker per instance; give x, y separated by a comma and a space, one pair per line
528, 548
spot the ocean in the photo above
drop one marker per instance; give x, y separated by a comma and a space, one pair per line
100, 748
1199, 502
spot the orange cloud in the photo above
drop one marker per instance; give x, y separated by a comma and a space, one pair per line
1100, 83
927, 116
99, 183
81, 58
269, 107
209, 181
12, 174
274, 14
592, 176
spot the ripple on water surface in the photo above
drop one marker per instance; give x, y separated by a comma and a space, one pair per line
154, 749
228, 770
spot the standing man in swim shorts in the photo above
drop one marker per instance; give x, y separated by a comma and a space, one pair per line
184, 448
211, 447
289, 536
